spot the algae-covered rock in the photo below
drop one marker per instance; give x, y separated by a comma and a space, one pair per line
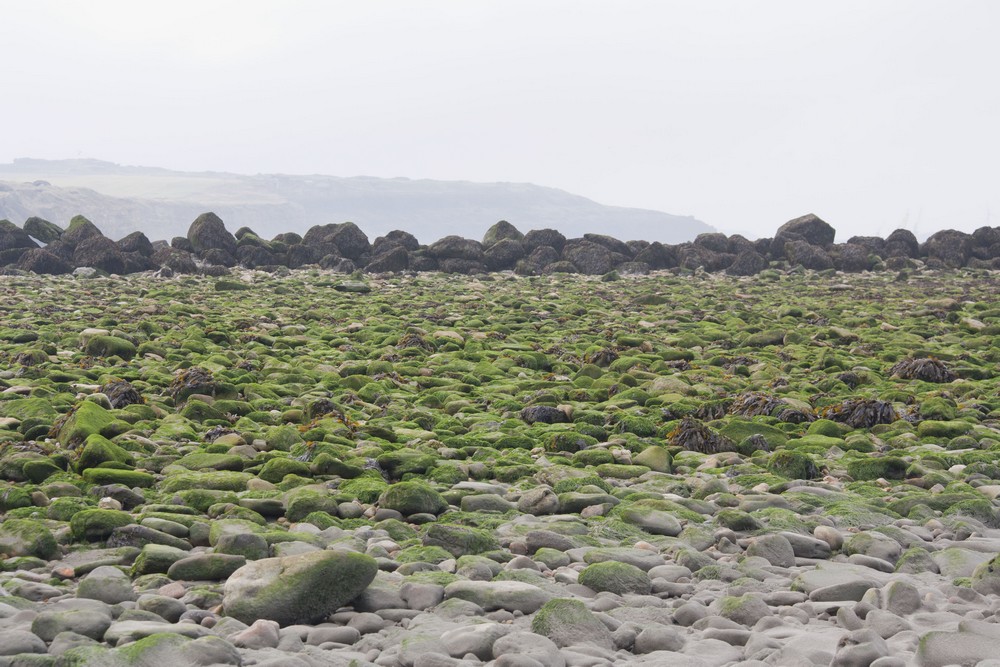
109, 346
568, 622
97, 450
27, 537
98, 524
460, 540
615, 577
297, 589
412, 498
887, 467
86, 418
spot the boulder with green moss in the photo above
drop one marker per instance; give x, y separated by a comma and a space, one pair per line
568, 622
412, 498
297, 589
616, 577
27, 537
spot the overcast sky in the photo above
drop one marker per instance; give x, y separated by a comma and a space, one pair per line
873, 115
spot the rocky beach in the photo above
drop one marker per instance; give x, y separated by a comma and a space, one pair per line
497, 452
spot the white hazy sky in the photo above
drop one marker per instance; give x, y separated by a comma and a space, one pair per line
873, 115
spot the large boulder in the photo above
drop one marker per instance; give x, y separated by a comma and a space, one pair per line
43, 230
395, 258
42, 261
808, 255
394, 238
503, 254
852, 257
902, 243
253, 256
658, 256
208, 232
101, 253
611, 243
811, 228
874, 244
535, 263
747, 263
13, 237
500, 231
692, 256
544, 237
714, 241
455, 247
346, 239
79, 230
589, 257
304, 588
950, 247
136, 242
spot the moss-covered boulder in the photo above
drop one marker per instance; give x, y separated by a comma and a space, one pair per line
130, 478
109, 346
27, 537
886, 467
97, 524
460, 540
413, 498
275, 469
85, 419
792, 464
568, 622
297, 589
98, 450
616, 577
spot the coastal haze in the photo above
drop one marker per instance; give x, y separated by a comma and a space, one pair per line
162, 203
875, 116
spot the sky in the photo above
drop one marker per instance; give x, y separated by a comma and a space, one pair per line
872, 115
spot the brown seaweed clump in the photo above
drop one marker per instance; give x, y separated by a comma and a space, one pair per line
121, 393
862, 412
927, 369
694, 436
194, 380
755, 404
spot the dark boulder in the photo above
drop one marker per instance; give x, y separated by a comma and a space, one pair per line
986, 242
243, 231
181, 243
219, 257
346, 237
611, 243
902, 243
252, 239
178, 261
207, 232
421, 261
535, 263
738, 243
40, 260
455, 247
396, 238
80, 229
949, 247
12, 236
544, 414
851, 257
458, 265
136, 262
658, 256
395, 258
136, 242
288, 238
747, 263
101, 253
42, 229
763, 246
536, 238
562, 266
298, 256
588, 257
874, 244
811, 228
808, 255
637, 246
692, 257
503, 254
350, 240
253, 257
714, 241
501, 231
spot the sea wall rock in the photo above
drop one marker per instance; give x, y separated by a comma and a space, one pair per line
209, 248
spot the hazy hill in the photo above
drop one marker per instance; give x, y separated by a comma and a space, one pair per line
162, 203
